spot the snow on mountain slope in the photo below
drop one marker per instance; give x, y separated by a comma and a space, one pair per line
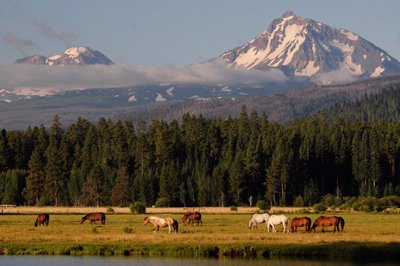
304, 47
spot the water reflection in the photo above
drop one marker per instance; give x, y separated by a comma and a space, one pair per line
140, 261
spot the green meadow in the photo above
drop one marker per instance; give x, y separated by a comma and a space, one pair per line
364, 235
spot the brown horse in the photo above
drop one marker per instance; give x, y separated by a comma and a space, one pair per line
194, 217
158, 223
326, 222
300, 222
94, 217
42, 219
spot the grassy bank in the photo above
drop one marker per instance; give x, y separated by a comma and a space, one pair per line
365, 236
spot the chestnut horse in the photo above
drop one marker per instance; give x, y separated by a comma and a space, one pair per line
194, 217
94, 217
326, 222
159, 222
42, 219
300, 222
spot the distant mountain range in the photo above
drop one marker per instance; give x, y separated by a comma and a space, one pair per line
78, 55
308, 52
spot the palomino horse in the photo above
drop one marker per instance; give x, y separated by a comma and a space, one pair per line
42, 219
159, 222
94, 217
257, 219
300, 222
194, 217
276, 220
326, 222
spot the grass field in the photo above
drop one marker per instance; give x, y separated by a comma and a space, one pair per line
226, 231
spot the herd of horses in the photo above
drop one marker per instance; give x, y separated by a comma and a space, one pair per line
271, 220
194, 218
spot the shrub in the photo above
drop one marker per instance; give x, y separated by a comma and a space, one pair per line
262, 205
110, 210
328, 200
127, 230
162, 202
137, 208
356, 206
319, 207
234, 208
298, 201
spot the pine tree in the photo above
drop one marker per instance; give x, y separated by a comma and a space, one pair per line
120, 191
36, 179
92, 188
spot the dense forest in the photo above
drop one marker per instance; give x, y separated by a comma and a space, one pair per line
199, 161
374, 107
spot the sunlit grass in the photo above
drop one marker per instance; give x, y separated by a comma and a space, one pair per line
217, 229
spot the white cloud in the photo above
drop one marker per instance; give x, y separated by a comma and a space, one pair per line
99, 76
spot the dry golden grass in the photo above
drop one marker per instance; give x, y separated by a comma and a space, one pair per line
217, 229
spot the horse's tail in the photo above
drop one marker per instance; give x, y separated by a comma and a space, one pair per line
341, 220
175, 225
309, 225
314, 225
47, 217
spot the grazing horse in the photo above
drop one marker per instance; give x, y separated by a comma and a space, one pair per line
326, 221
42, 219
159, 222
341, 223
94, 217
194, 217
300, 222
278, 219
257, 219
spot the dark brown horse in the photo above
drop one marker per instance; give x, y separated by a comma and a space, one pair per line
42, 219
300, 222
194, 217
326, 222
341, 223
94, 217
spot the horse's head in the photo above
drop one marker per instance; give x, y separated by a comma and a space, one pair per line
83, 219
36, 223
146, 220
184, 218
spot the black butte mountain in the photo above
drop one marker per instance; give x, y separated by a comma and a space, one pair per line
306, 51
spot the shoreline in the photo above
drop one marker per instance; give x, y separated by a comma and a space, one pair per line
346, 251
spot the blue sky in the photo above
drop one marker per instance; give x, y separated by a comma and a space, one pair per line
175, 32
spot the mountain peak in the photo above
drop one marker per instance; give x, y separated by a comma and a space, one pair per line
305, 47
76, 55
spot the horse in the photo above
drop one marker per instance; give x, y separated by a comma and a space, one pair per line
258, 218
94, 217
326, 221
341, 223
194, 217
159, 222
300, 222
42, 219
278, 219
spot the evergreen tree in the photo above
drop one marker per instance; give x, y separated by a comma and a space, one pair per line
120, 191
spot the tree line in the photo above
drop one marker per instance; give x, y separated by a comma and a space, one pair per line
199, 161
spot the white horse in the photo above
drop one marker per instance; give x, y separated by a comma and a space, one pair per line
258, 218
276, 220
158, 223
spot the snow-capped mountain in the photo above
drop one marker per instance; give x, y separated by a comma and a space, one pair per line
304, 47
78, 55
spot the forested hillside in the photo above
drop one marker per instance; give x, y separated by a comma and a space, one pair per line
280, 107
383, 106
198, 162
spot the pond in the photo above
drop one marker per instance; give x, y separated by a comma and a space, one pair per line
146, 261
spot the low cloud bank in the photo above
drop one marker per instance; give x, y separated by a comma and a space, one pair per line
99, 76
